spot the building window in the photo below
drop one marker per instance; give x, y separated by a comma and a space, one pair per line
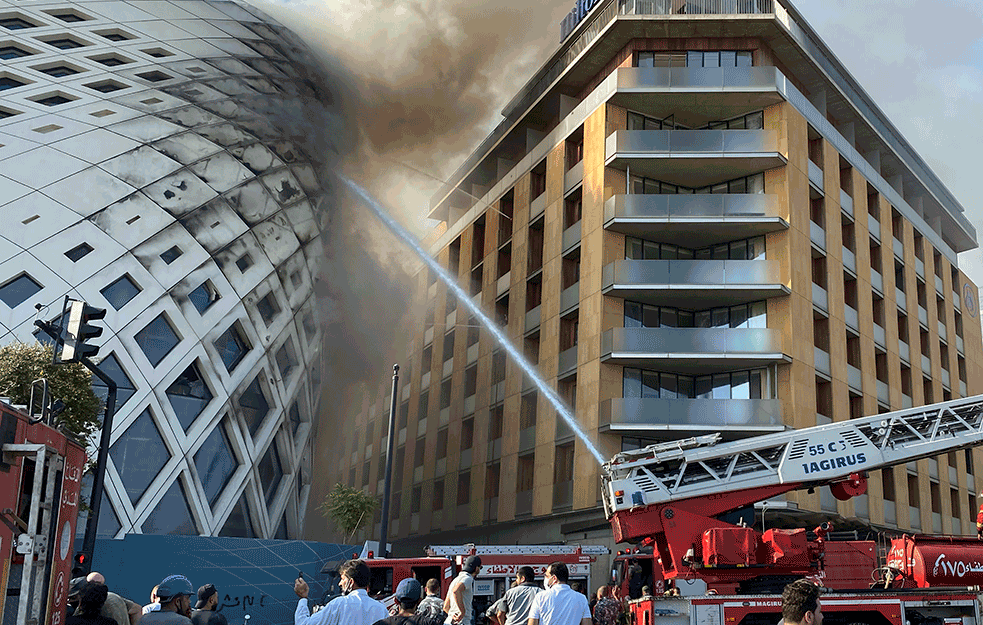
17, 291
66, 43
464, 488
59, 71
16, 23
438, 495
9, 83
78, 252
215, 463
139, 455
13, 52
231, 347
747, 185
745, 249
170, 255
204, 296
254, 406
286, 360
734, 385
270, 472
124, 386
239, 525
268, 308
157, 339
244, 262
120, 292
753, 315
188, 395
172, 514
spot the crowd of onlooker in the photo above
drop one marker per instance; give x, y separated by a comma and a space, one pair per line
90, 602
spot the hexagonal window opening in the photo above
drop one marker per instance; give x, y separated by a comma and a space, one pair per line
188, 395
139, 455
215, 463
18, 290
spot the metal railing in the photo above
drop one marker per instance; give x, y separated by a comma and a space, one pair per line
697, 7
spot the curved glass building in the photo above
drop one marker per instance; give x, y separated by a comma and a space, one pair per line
147, 166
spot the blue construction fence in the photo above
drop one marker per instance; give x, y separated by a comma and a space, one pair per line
253, 576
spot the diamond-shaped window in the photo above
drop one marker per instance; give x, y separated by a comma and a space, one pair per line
157, 339
78, 252
124, 386
111, 60
238, 525
254, 406
121, 291
70, 17
295, 418
139, 455
286, 360
270, 472
6, 82
172, 514
268, 308
215, 463
106, 86
55, 99
232, 347
17, 291
13, 52
203, 297
59, 71
16, 23
109, 523
66, 43
154, 76
188, 395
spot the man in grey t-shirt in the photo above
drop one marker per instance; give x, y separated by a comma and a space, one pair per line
518, 600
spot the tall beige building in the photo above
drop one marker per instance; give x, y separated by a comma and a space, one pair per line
693, 220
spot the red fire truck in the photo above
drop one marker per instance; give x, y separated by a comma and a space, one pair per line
499, 566
40, 476
674, 498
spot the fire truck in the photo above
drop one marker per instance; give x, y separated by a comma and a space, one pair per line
40, 476
675, 497
499, 566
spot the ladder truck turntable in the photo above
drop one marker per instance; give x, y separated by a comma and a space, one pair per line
670, 497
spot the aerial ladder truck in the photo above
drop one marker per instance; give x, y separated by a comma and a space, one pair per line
672, 497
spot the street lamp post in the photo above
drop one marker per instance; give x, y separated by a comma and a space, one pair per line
383, 545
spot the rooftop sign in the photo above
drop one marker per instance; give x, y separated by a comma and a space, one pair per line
574, 17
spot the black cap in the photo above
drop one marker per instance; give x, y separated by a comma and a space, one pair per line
204, 594
472, 564
75, 586
173, 586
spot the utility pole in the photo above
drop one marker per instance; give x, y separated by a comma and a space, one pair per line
383, 545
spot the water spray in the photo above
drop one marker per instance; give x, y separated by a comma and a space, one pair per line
491, 326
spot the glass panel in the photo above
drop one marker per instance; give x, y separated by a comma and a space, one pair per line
756, 183
635, 121
667, 386
702, 319
721, 318
650, 317
740, 385
684, 387
286, 360
634, 249
728, 58
139, 455
203, 297
737, 186
157, 339
633, 315
755, 385
721, 386
295, 419
124, 387
758, 317
694, 59
188, 395
77, 253
215, 463
238, 524
172, 514
650, 384
646, 59
744, 59
669, 319
739, 250
651, 251
756, 121
254, 406
270, 472
19, 290
268, 308
109, 523
231, 347
120, 292
704, 387
632, 385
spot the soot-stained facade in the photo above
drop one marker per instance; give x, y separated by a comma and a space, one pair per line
142, 170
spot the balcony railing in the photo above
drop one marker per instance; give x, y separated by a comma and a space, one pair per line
574, 176
852, 317
816, 176
817, 235
820, 297
920, 268
846, 203
850, 261
939, 285
533, 318
821, 360
537, 207
567, 361
904, 351
880, 336
718, 281
883, 393
571, 236
874, 226
854, 378
644, 414
898, 248
698, 7
877, 281
704, 349
569, 298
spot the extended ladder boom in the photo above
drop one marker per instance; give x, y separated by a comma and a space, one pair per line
777, 463
451, 551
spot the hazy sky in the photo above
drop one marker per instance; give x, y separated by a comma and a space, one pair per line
436, 74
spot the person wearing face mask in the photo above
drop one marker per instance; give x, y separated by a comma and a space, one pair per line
559, 604
354, 608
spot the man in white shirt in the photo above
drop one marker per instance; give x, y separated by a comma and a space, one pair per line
559, 604
354, 608
460, 595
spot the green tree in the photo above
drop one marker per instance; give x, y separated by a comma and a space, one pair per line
22, 363
349, 508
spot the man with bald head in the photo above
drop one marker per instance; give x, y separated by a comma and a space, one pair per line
123, 611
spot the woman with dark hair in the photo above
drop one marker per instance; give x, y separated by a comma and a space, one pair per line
92, 596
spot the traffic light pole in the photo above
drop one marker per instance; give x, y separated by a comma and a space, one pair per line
99, 476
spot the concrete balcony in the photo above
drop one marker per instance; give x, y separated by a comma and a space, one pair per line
820, 298
472, 353
920, 268
939, 285
447, 368
906, 401
874, 226
469, 404
428, 336
942, 331
533, 318
902, 301
451, 319
945, 378
883, 393
854, 378
816, 176
926, 365
571, 237
846, 203
852, 318
693, 158
904, 352
850, 261
877, 282
692, 350
693, 220
425, 380
923, 317
502, 284
956, 300
960, 346
567, 362
573, 177
817, 235
675, 418
569, 298
880, 337
693, 283
820, 360
898, 248
537, 207
699, 94
962, 388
